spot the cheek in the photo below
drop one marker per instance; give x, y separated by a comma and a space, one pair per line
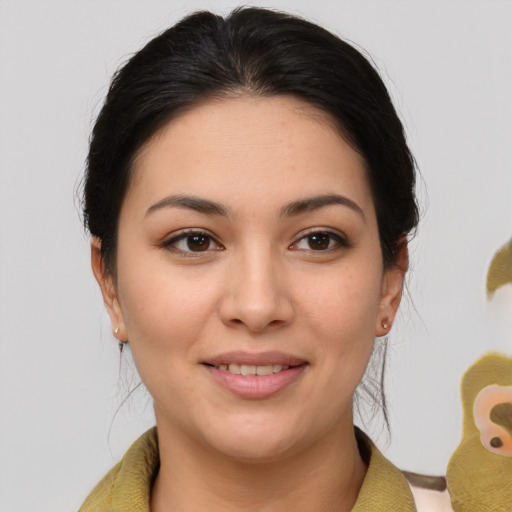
343, 304
164, 316
341, 313
163, 309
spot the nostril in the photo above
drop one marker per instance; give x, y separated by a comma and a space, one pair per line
255, 306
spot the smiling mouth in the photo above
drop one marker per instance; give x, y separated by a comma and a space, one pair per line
255, 376
250, 370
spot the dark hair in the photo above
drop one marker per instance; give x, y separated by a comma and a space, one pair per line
251, 51
259, 52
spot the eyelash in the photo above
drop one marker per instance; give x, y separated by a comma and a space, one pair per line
183, 236
340, 241
171, 244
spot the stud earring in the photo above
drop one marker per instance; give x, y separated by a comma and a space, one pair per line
121, 342
386, 324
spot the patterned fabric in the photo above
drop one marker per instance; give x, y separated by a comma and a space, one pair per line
127, 487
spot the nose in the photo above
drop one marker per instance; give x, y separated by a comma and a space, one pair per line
257, 296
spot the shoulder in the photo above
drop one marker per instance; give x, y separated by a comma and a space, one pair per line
127, 486
100, 498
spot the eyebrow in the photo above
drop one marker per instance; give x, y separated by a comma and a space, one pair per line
298, 207
317, 202
190, 203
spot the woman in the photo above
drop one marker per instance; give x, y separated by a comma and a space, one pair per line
249, 193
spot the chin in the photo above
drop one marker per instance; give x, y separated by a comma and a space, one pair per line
256, 439
250, 449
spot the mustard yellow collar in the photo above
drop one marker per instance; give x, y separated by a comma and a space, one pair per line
127, 487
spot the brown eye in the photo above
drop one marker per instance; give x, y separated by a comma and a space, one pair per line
319, 241
198, 243
192, 243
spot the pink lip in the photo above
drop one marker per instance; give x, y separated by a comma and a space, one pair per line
256, 386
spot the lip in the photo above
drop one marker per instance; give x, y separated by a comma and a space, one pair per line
256, 359
252, 386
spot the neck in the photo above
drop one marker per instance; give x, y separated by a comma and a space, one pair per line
325, 476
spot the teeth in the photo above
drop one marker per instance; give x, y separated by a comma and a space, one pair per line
246, 369
249, 369
234, 368
264, 370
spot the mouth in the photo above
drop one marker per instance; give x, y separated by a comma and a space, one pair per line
250, 369
255, 376
247, 363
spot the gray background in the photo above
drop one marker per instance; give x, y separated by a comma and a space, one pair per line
448, 65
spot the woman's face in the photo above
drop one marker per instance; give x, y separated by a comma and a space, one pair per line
248, 244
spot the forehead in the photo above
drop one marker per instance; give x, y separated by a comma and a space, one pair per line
251, 146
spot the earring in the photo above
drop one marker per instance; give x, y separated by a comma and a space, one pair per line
386, 324
121, 342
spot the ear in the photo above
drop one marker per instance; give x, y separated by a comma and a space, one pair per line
391, 293
106, 282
